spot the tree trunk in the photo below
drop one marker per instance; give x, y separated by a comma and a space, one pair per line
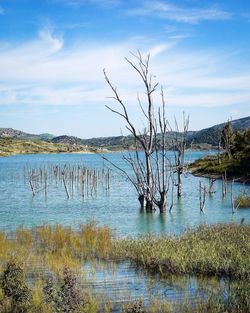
179, 183
163, 202
142, 201
149, 205
149, 190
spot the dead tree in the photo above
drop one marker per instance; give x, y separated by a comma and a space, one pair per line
202, 196
163, 164
145, 140
224, 184
32, 184
172, 194
212, 180
149, 163
179, 143
234, 209
137, 180
64, 181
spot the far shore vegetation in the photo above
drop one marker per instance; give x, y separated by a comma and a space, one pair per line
41, 268
234, 162
11, 146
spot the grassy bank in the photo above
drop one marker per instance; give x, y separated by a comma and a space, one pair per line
39, 267
235, 161
209, 166
10, 146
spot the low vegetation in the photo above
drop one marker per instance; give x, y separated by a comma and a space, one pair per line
235, 161
242, 201
41, 268
217, 250
10, 146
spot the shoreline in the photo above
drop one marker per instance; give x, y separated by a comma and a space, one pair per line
64, 152
58, 152
237, 179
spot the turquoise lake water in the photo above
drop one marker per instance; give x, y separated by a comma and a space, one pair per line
118, 208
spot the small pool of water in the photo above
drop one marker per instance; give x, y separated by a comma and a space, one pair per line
122, 283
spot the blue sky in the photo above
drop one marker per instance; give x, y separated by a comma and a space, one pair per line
52, 53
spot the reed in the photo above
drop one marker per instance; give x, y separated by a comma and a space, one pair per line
220, 250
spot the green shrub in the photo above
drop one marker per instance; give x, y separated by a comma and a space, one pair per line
242, 201
65, 297
15, 288
136, 306
51, 292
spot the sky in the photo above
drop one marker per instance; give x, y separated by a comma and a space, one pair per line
53, 52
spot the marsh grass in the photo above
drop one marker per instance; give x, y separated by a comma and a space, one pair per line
242, 201
220, 250
60, 252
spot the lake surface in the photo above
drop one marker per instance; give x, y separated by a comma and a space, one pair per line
118, 208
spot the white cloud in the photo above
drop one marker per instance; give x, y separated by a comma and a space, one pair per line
166, 10
46, 72
55, 43
214, 99
159, 49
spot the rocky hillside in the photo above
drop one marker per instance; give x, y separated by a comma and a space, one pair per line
204, 138
17, 134
68, 140
212, 134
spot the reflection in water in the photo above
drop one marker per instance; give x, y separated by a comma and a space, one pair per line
123, 283
148, 222
179, 204
203, 218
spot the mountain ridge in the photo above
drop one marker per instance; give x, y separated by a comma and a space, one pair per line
208, 136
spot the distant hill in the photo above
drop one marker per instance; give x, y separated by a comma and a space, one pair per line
205, 137
110, 142
212, 134
68, 140
45, 136
17, 134
119, 142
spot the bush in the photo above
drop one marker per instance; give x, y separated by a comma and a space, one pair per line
243, 201
71, 300
134, 307
65, 298
14, 287
51, 292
